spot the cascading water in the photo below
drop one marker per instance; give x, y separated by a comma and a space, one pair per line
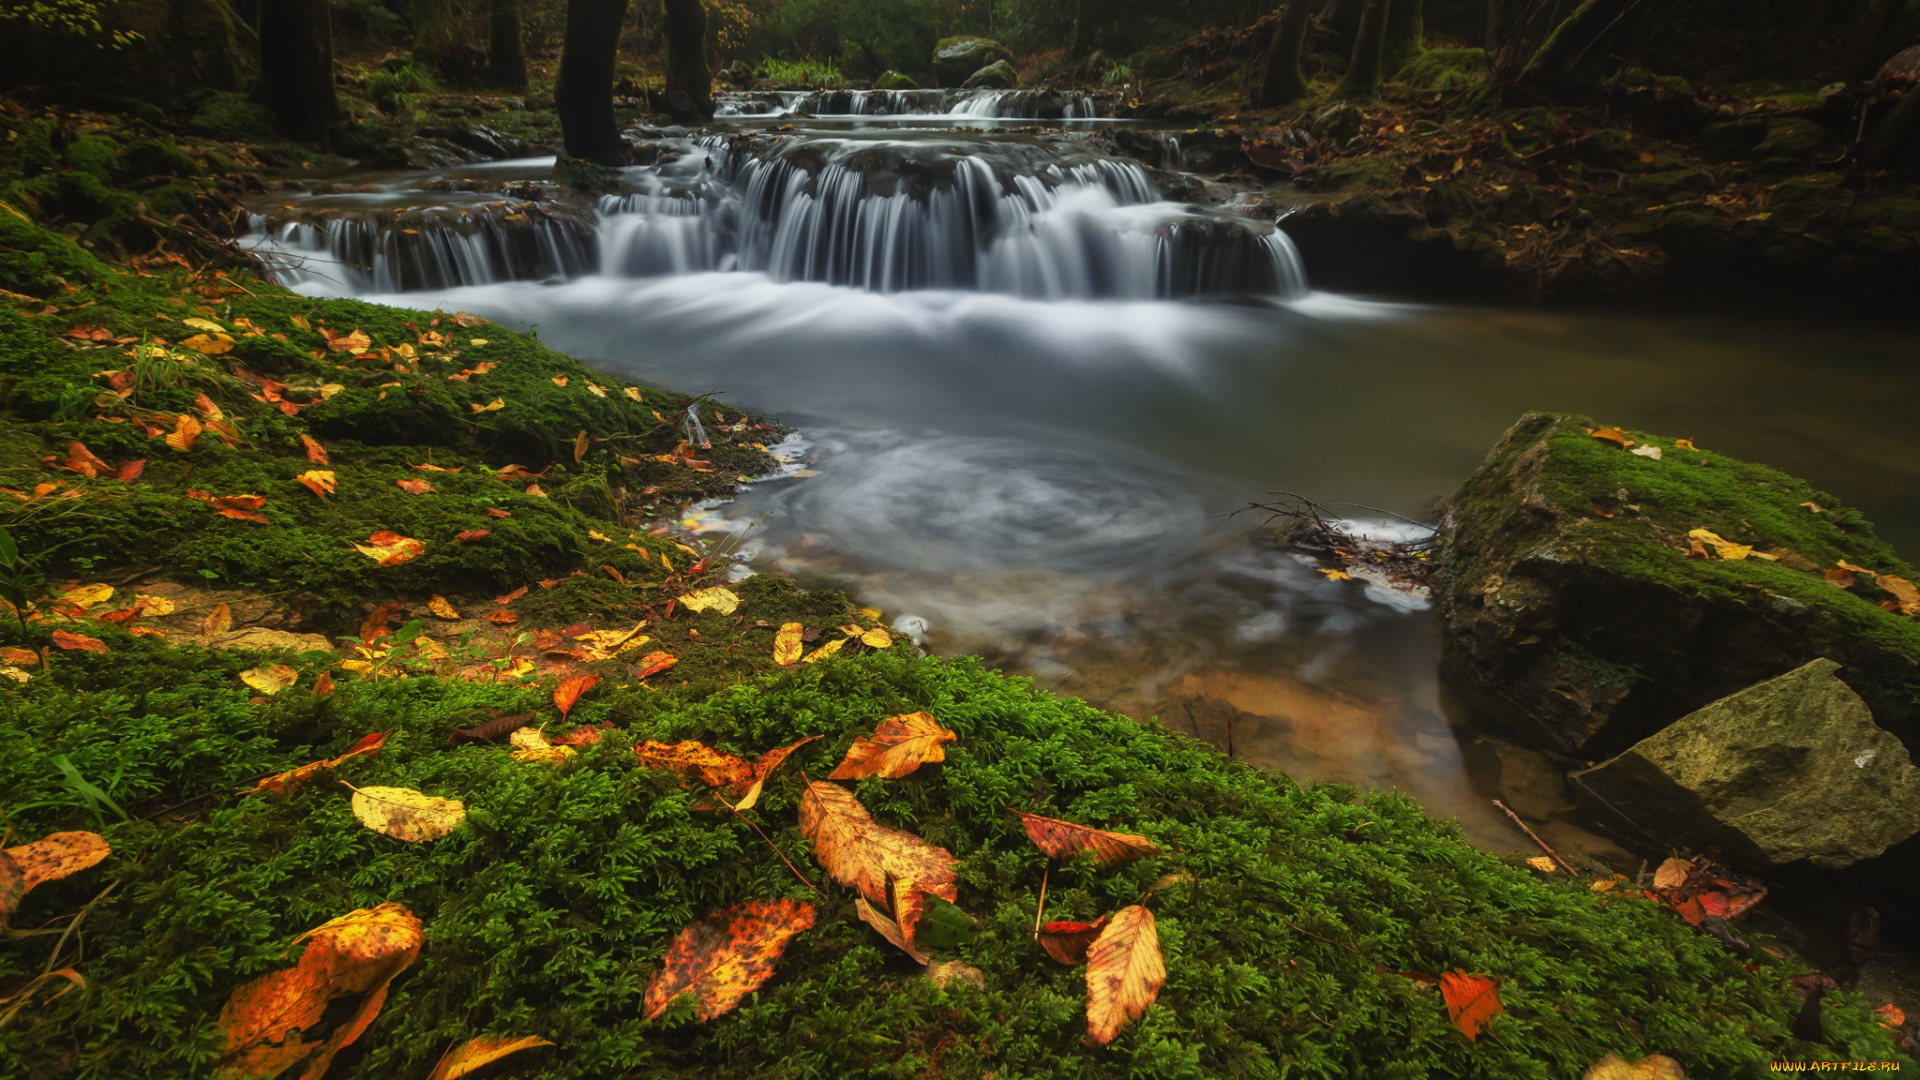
957, 104
1020, 217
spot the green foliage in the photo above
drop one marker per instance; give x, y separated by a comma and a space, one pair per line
1444, 69
807, 71
860, 37
232, 117
1118, 74
400, 90
77, 19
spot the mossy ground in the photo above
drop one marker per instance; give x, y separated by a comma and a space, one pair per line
1291, 910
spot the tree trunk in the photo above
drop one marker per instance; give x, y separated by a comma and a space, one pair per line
1867, 46
1500, 18
1406, 31
296, 68
583, 94
689, 80
1362, 80
1896, 140
436, 34
1073, 39
506, 53
1282, 83
1557, 66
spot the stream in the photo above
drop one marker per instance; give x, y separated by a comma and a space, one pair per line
1029, 394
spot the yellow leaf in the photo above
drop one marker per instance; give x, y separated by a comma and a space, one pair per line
318, 481
580, 445
1726, 549
85, 596
717, 599
633, 392
1653, 1067
871, 613
153, 605
596, 389
900, 745
186, 432
1542, 863
211, 346
1684, 444
1613, 435
533, 489
406, 814
271, 679
1672, 874
492, 406
441, 609
595, 534
475, 1053
876, 638
390, 548
301, 322
1336, 575
559, 380
478, 342
1124, 972
823, 651
787, 644
204, 324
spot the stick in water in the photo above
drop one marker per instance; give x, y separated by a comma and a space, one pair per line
1536, 838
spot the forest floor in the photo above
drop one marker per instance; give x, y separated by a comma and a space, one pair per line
256, 530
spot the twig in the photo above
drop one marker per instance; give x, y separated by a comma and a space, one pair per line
1564, 865
207, 795
776, 850
1043, 900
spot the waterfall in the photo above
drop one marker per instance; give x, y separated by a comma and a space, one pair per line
388, 252
971, 104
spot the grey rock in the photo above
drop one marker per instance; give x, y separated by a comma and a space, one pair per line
1528, 781
958, 57
485, 141
1904, 65
998, 75
1791, 770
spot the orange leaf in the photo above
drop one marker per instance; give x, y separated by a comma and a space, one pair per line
569, 691
1124, 972
50, 858
900, 744
886, 928
130, 471
512, 596
726, 956
654, 663
357, 341
502, 618
318, 481
288, 782
580, 445
66, 640
471, 536
415, 487
1891, 1016
388, 548
496, 512
715, 768
186, 432
207, 408
1472, 1001
81, 460
1067, 942
315, 452
474, 1053
1613, 435
874, 859
1063, 840
1905, 596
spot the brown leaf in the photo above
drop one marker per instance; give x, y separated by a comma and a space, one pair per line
65, 640
492, 729
439, 608
1472, 1001
316, 453
81, 460
217, 622
475, 1053
654, 663
715, 768
870, 857
1124, 972
726, 956
1063, 840
130, 471
570, 690
50, 858
357, 341
388, 548
1067, 941
1905, 596
471, 536
1672, 874
415, 487
900, 744
512, 596
580, 445
887, 928
1839, 578
186, 432
288, 782
502, 617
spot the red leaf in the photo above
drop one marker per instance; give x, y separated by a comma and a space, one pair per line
569, 691
1472, 1001
654, 663
512, 596
131, 470
1064, 840
727, 955
1067, 941
471, 536
66, 640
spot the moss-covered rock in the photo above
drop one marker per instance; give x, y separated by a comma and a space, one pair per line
1576, 617
955, 58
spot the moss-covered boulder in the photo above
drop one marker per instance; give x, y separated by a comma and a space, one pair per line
894, 80
1576, 616
955, 58
998, 75
1792, 770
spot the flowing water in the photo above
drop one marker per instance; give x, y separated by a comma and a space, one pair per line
1030, 394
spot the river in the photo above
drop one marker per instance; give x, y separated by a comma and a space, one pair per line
1030, 395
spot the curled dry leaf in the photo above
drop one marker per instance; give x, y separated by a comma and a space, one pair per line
1891, 1016
887, 928
390, 548
654, 663
788, 644
1613, 435
492, 729
471, 536
1906, 597
717, 599
415, 487
1067, 941
569, 691
873, 859
265, 1021
1652, 1067
502, 618
218, 621
1472, 1001
475, 1053
318, 481
530, 744
63, 639
270, 679
1124, 972
1063, 840
287, 783
315, 452
50, 858
900, 744
1726, 549
186, 432
726, 956
406, 814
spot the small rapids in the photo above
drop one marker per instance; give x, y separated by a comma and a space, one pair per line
954, 104
1016, 216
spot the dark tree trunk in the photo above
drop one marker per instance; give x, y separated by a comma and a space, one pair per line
1406, 32
689, 80
296, 68
1896, 140
1362, 81
1573, 45
436, 35
506, 53
1282, 83
583, 94
1073, 38
1868, 46
1500, 19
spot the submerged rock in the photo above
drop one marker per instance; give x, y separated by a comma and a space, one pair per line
998, 75
1788, 771
1576, 619
955, 58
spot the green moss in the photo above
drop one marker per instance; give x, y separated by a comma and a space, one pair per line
38, 261
231, 116
1443, 69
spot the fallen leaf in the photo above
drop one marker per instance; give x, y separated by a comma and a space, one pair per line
357, 341
1543, 864
209, 345
318, 481
1684, 444
726, 956
1839, 578
1815, 507
496, 512
82, 460
1672, 874
1124, 972
65, 640
1652, 1067
300, 321
50, 858
1891, 1016
502, 618
1726, 549
569, 691
1646, 452
1067, 941
534, 490
406, 814
580, 445
715, 768
441, 609
876, 638
292, 780
1063, 840
512, 596
1850, 567
218, 621
718, 599
887, 928
530, 744
1472, 1001
654, 663
131, 471
390, 548
632, 392
900, 744
824, 651
204, 324
1905, 596
186, 432
1613, 435
948, 971
559, 380
86, 596
1336, 575
787, 644
271, 679
475, 1053
873, 859
492, 406
415, 487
